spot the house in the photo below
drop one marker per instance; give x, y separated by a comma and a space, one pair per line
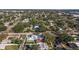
75, 15
31, 38
42, 46
40, 38
26, 20
6, 24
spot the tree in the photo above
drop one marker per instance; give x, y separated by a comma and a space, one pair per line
33, 21
16, 41
66, 37
42, 28
50, 39
59, 23
2, 27
2, 37
19, 27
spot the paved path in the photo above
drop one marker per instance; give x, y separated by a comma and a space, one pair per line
10, 27
16, 22
22, 45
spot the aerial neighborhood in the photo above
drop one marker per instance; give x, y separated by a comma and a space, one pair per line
39, 29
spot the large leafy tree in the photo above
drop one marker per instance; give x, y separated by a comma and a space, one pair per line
33, 21
50, 39
2, 27
19, 27
16, 41
66, 37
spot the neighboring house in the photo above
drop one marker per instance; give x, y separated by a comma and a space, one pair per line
42, 46
75, 15
6, 24
26, 20
51, 22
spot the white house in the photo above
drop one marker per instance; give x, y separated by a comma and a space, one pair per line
31, 38
6, 24
26, 20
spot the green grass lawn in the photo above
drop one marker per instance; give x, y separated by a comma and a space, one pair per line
12, 47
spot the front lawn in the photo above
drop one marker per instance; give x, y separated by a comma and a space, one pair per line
12, 47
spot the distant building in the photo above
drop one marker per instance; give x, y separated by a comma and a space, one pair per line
6, 24
76, 15
26, 20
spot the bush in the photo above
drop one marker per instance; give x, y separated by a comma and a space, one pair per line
66, 38
50, 39
2, 37
16, 41
2, 27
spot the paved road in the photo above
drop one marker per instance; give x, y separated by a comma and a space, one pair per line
10, 27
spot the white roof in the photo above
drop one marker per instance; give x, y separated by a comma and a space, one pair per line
32, 38
36, 26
